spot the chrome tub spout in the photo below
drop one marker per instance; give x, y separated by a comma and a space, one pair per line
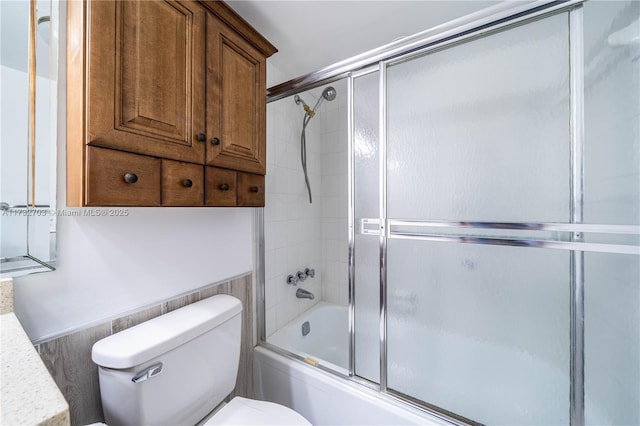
304, 294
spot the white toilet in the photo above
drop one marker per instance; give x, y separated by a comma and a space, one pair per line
177, 368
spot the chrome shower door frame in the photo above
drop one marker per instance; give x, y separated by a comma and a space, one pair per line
495, 19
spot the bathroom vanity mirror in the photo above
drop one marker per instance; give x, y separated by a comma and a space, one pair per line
29, 84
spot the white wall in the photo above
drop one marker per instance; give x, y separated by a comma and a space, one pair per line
111, 265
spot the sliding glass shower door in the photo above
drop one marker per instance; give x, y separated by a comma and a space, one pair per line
496, 204
480, 132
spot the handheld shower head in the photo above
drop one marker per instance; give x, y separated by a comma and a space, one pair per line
329, 93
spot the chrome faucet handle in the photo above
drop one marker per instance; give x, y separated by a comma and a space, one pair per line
292, 280
310, 272
301, 276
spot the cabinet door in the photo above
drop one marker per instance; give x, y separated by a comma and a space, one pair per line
236, 101
146, 78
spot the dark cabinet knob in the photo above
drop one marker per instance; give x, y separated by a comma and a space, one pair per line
130, 177
254, 189
201, 137
187, 183
224, 187
215, 141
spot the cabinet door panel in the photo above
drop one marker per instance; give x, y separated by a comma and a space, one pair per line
250, 190
117, 178
220, 187
236, 101
182, 184
146, 77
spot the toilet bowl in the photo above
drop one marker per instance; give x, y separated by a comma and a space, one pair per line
177, 368
244, 411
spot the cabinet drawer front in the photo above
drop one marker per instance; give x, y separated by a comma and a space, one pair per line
221, 187
117, 178
182, 184
250, 190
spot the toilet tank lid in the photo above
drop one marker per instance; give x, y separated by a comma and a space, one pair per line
145, 341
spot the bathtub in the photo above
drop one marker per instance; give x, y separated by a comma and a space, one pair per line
325, 398
327, 340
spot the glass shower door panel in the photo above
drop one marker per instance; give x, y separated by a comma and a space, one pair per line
480, 331
367, 307
612, 346
612, 196
367, 205
366, 144
612, 113
480, 131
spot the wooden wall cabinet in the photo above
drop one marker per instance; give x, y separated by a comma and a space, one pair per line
171, 92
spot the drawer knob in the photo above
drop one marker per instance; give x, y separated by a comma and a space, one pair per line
215, 141
224, 187
201, 137
130, 177
187, 183
254, 189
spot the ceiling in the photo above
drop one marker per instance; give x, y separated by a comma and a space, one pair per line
312, 34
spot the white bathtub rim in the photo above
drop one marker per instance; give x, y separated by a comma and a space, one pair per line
303, 358
411, 413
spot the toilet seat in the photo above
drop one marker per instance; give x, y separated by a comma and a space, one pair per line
243, 411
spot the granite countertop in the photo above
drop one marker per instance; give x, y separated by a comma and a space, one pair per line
28, 394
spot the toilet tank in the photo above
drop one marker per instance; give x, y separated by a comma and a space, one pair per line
173, 369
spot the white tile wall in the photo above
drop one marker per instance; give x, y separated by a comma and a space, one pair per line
300, 235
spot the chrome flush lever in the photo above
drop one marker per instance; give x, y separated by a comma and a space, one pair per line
147, 373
